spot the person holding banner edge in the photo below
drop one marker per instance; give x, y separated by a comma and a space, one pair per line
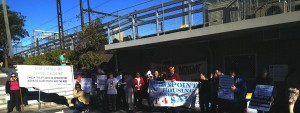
174, 77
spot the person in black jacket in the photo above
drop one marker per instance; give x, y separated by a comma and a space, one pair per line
204, 93
12, 88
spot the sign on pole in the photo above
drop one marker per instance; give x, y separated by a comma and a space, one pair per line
262, 98
45, 76
225, 83
172, 94
86, 84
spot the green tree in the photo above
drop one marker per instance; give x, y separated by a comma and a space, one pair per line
93, 36
16, 23
89, 60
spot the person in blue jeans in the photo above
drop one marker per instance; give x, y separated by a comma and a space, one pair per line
82, 100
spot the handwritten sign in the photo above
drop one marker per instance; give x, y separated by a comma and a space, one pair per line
262, 98
86, 84
172, 94
45, 76
101, 82
225, 83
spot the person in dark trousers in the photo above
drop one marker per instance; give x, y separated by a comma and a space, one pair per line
214, 83
12, 88
240, 89
112, 92
121, 100
264, 79
204, 93
138, 88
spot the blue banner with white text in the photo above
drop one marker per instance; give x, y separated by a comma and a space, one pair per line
173, 94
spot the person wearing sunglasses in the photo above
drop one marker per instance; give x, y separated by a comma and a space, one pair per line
82, 100
12, 88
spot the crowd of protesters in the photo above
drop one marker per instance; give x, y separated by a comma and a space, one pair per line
124, 91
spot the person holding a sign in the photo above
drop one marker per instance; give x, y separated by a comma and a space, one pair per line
239, 88
264, 79
82, 100
112, 92
138, 88
12, 88
214, 83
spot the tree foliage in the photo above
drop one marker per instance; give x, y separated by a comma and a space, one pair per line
93, 36
16, 24
89, 60
78, 59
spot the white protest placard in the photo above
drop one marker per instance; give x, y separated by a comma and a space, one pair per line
225, 83
86, 84
262, 98
172, 94
45, 76
101, 82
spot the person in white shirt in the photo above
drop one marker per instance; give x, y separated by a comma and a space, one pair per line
112, 92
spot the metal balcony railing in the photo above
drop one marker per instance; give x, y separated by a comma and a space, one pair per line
173, 16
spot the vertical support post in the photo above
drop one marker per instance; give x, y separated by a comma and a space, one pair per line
81, 15
7, 29
116, 58
190, 14
163, 16
89, 11
157, 23
204, 13
108, 34
60, 24
39, 99
119, 25
183, 11
38, 46
133, 27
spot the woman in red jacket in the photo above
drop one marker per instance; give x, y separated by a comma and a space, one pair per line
138, 87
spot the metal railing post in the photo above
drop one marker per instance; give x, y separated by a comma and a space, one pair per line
190, 14
157, 23
119, 26
204, 13
108, 34
133, 28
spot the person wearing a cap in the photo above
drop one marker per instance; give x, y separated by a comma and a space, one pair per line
12, 88
174, 76
9, 71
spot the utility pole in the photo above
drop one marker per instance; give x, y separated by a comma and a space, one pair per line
89, 13
60, 24
11, 54
81, 15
